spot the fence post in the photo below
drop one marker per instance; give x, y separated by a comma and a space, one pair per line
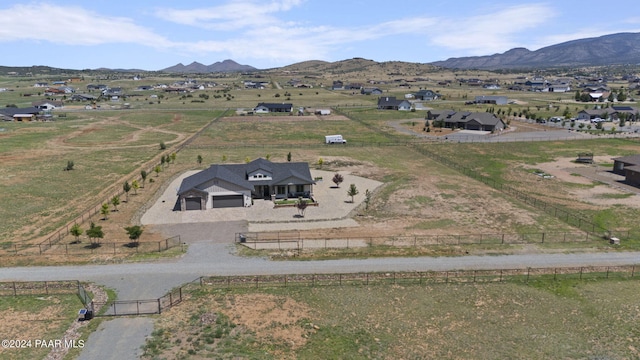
580, 272
159, 307
46, 288
633, 270
528, 271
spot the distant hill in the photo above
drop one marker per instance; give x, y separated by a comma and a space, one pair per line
615, 49
196, 67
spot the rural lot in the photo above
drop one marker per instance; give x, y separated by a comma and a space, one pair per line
424, 192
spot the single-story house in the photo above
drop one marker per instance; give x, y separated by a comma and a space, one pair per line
559, 88
629, 166
593, 113
235, 185
371, 91
48, 104
491, 99
426, 95
482, 121
8, 113
263, 108
337, 85
391, 103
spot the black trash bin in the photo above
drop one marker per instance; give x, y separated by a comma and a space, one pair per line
243, 238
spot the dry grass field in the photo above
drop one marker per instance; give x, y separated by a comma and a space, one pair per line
543, 320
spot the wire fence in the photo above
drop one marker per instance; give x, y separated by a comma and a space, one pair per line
116, 189
421, 278
76, 248
287, 240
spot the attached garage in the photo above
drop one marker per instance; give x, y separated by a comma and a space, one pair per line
193, 203
225, 201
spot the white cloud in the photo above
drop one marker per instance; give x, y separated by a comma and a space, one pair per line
70, 25
229, 17
490, 33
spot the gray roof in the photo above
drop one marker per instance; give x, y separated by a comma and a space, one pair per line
483, 118
629, 159
238, 174
10, 111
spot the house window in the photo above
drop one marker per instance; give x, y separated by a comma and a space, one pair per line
299, 188
282, 189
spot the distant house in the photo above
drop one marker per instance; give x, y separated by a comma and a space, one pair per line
495, 100
264, 108
590, 114
83, 97
337, 85
48, 104
235, 185
391, 103
41, 84
426, 95
9, 113
559, 88
631, 113
371, 91
629, 167
482, 121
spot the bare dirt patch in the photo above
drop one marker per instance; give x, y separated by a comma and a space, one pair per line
602, 188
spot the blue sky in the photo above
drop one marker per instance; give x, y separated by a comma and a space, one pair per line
153, 35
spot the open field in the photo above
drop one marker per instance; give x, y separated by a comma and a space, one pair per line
546, 319
419, 195
35, 318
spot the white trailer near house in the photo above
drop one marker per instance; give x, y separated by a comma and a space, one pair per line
334, 139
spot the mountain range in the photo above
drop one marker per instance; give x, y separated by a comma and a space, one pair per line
615, 49
196, 67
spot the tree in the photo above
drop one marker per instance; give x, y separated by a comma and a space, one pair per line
157, 169
268, 156
621, 95
135, 185
143, 176
247, 160
337, 179
69, 166
302, 206
320, 162
163, 160
224, 158
115, 201
367, 199
95, 233
134, 233
353, 191
289, 156
162, 146
126, 187
76, 231
104, 210
199, 160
